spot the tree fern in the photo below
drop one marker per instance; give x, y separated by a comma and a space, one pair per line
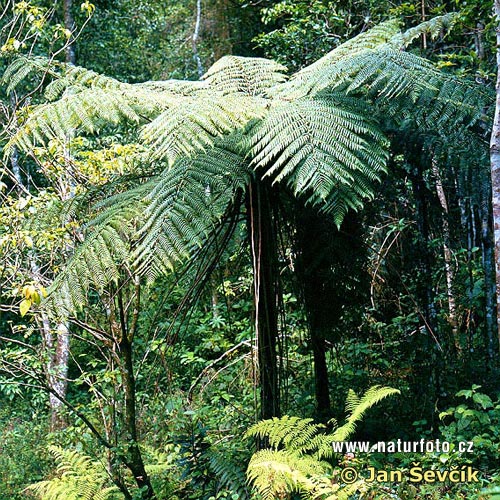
314, 134
296, 462
78, 478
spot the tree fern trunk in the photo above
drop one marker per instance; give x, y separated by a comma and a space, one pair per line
264, 259
495, 168
314, 270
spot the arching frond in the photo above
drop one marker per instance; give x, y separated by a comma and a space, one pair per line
179, 87
152, 227
185, 205
302, 82
78, 77
99, 259
85, 111
318, 147
248, 75
193, 124
356, 407
22, 67
433, 27
229, 473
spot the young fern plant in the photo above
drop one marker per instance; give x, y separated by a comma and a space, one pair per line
300, 451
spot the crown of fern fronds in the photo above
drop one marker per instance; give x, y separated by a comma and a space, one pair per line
248, 75
79, 478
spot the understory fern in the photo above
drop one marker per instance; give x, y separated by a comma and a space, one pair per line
299, 449
78, 478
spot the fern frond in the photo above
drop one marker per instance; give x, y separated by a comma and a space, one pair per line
292, 432
194, 124
86, 111
151, 228
433, 27
318, 146
98, 260
248, 75
356, 408
302, 82
22, 67
185, 205
79, 77
277, 473
79, 478
228, 473
177, 87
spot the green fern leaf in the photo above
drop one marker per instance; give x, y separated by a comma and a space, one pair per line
248, 75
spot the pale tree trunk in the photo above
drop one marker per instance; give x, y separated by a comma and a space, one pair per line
196, 36
448, 258
56, 342
488, 261
57, 345
495, 168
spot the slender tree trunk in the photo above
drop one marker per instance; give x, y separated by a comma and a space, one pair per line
58, 373
488, 262
133, 458
264, 251
422, 219
495, 169
195, 39
123, 334
448, 258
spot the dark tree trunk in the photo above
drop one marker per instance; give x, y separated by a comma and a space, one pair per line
426, 292
133, 457
331, 272
264, 258
314, 272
